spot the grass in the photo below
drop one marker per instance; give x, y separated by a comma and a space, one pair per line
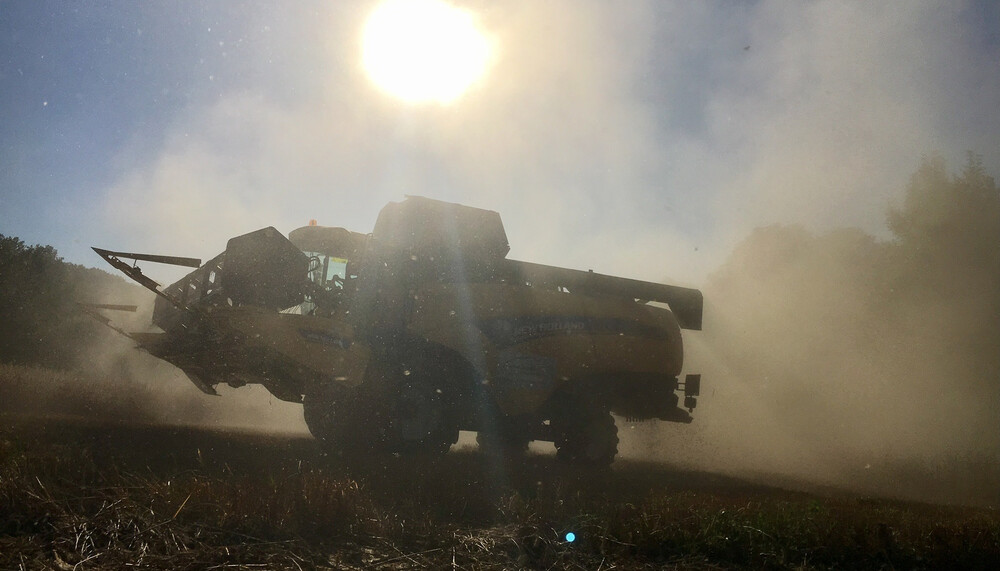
110, 496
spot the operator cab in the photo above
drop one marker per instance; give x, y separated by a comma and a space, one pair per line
330, 251
326, 271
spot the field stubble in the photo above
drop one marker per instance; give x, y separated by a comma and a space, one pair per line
105, 496
126, 492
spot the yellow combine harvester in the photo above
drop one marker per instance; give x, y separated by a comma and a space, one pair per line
398, 339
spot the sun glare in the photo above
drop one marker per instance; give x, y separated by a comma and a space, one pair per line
424, 50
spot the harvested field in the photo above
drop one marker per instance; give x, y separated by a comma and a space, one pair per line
85, 495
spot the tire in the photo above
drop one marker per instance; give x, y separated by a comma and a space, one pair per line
320, 410
336, 418
420, 422
585, 436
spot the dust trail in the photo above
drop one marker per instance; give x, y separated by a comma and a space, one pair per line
843, 359
98, 374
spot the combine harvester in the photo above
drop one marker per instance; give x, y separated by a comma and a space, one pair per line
398, 339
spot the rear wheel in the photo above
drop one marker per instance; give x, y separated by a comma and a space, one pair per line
585, 435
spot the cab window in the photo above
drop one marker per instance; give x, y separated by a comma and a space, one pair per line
327, 271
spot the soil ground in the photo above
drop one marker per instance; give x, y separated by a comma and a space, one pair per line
76, 494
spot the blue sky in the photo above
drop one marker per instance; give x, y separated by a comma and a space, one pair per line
642, 138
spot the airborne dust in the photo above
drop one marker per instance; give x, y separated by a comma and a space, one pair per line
841, 359
92, 373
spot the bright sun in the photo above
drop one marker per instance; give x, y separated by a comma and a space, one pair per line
424, 50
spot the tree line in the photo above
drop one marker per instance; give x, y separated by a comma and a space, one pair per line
40, 321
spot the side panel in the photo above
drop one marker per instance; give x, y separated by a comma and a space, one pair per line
529, 342
318, 348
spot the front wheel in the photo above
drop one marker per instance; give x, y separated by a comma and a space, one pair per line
321, 408
585, 435
420, 421
335, 416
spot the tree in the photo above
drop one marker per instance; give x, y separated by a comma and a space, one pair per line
34, 296
946, 268
948, 230
39, 319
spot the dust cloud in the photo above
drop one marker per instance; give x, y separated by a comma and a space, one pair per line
841, 359
131, 380
123, 385
96, 374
